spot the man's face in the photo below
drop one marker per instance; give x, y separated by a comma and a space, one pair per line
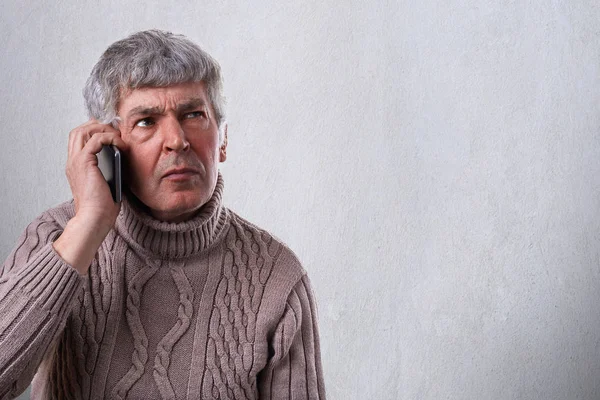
174, 148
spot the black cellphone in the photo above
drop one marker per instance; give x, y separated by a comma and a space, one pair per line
109, 162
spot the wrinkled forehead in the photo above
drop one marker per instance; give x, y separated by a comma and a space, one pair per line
164, 97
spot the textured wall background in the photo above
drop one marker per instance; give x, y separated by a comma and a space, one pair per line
435, 164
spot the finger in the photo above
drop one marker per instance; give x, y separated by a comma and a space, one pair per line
90, 121
97, 140
80, 135
77, 140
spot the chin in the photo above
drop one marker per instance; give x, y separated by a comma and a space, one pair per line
178, 205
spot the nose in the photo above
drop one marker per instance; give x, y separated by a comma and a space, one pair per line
174, 138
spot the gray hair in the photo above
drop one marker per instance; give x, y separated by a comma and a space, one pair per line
151, 58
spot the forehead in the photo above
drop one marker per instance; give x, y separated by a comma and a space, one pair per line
163, 97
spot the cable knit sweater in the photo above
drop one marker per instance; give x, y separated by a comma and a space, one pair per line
211, 308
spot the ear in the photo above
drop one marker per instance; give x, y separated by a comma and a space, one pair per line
223, 148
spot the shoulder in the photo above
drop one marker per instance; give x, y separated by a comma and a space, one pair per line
60, 214
272, 253
54, 219
45, 228
273, 269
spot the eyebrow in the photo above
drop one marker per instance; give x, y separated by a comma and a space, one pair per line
188, 105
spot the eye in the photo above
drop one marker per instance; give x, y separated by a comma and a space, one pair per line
196, 114
145, 122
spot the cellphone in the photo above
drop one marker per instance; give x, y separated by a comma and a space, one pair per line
109, 162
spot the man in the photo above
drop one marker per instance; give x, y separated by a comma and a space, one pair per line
168, 294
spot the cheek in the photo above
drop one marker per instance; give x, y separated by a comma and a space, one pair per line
207, 149
139, 163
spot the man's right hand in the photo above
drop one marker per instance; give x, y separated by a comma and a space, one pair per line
95, 210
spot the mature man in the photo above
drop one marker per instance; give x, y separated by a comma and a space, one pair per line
168, 294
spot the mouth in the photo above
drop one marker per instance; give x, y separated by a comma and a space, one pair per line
177, 174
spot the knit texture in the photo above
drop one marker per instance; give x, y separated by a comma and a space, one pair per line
210, 308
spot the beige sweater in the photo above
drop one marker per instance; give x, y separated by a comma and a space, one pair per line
212, 308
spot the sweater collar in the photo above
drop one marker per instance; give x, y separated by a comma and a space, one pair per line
169, 240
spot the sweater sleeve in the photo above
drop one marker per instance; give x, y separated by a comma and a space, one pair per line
37, 290
294, 370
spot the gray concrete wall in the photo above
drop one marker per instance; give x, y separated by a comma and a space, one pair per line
435, 164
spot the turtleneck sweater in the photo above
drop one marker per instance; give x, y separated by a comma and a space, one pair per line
210, 308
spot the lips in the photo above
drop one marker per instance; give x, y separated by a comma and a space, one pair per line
180, 173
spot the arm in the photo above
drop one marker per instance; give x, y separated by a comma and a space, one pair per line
37, 290
294, 370
39, 280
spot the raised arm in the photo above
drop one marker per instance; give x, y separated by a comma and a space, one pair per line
37, 289
39, 280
